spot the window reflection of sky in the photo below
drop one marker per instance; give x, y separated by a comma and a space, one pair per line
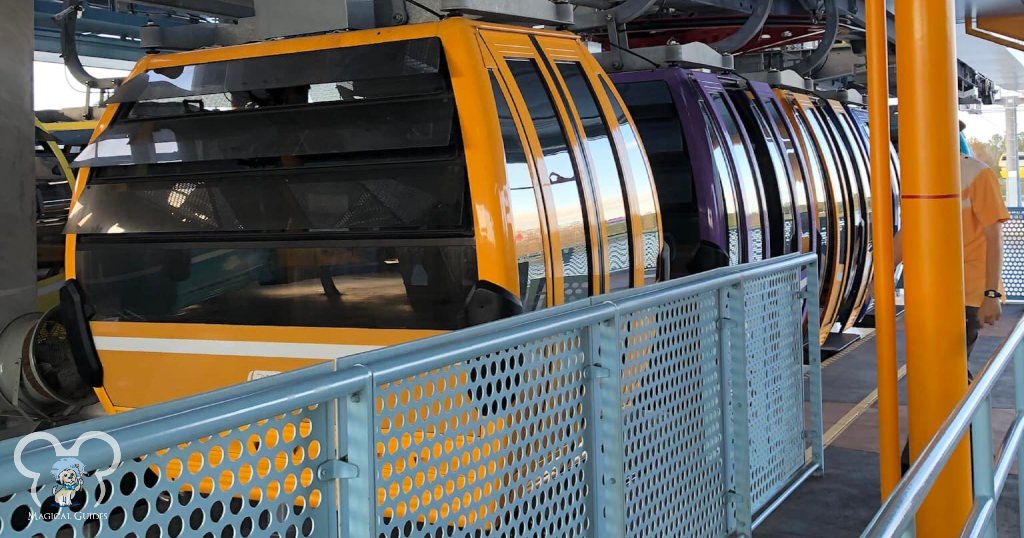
605, 171
526, 214
558, 162
643, 184
744, 170
182, 80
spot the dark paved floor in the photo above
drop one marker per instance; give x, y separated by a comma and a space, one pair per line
842, 503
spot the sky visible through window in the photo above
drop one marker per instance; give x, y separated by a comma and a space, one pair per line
55, 88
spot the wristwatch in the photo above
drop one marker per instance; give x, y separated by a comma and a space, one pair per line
993, 294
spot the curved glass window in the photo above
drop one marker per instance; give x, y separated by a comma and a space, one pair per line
354, 72
403, 286
565, 182
748, 180
646, 204
606, 175
397, 198
724, 177
801, 193
526, 210
657, 118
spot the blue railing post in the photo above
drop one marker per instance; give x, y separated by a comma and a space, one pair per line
725, 336
817, 429
982, 458
359, 504
736, 360
1018, 384
604, 435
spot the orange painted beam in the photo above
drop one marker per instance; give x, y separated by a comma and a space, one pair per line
882, 227
933, 247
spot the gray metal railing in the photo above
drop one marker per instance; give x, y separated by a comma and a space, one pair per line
896, 518
680, 406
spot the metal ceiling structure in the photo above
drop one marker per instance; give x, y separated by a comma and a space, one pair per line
990, 37
755, 35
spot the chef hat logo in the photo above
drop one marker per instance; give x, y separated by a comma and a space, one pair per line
61, 452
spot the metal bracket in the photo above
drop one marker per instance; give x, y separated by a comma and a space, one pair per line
692, 55
514, 11
787, 79
195, 36
337, 470
853, 97
596, 371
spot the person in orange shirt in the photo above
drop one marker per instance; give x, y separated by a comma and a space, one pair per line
983, 215
984, 212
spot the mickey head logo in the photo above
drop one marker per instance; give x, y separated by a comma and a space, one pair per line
23, 453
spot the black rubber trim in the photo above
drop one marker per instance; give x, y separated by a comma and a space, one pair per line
74, 315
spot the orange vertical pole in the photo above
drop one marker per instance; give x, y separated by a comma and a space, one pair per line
882, 228
933, 247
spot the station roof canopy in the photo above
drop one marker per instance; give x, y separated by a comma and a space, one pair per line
990, 38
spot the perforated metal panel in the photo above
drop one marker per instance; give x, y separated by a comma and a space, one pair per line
255, 480
672, 417
494, 445
669, 411
774, 352
1013, 255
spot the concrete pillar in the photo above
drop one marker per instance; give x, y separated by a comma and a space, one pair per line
1012, 155
17, 165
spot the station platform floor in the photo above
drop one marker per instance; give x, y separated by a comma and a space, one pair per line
842, 502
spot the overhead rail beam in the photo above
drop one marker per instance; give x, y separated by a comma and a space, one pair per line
749, 31
784, 79
514, 11
820, 55
690, 55
623, 13
232, 9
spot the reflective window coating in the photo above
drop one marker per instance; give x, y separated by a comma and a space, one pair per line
426, 122
801, 194
749, 189
646, 205
526, 213
394, 198
724, 178
657, 119
562, 176
835, 190
396, 287
606, 175
775, 177
354, 71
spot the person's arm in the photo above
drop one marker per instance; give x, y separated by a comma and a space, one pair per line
991, 309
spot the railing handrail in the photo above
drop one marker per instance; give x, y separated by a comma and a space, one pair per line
143, 431
899, 509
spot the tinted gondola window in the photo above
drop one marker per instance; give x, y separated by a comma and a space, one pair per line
644, 185
800, 180
777, 186
749, 189
606, 173
657, 119
526, 217
724, 178
353, 211
408, 285
562, 176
